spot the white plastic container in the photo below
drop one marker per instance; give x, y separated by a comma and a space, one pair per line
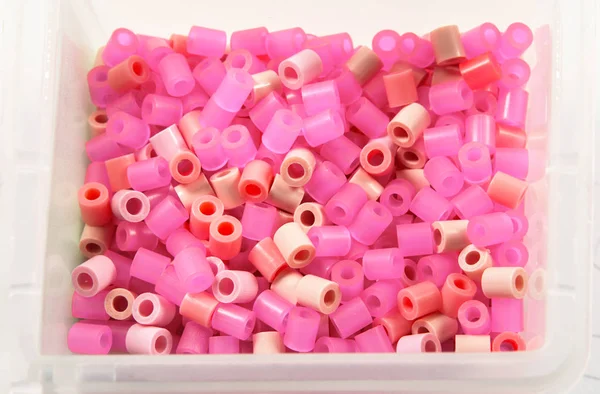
48, 46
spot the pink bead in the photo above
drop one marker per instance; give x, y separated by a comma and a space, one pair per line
475, 162
374, 340
161, 110
443, 176
514, 41
96, 172
334, 345
300, 69
258, 221
520, 223
319, 97
176, 75
510, 254
234, 320
121, 44
381, 297
419, 300
330, 240
238, 145
153, 50
397, 195
233, 90
102, 148
374, 90
223, 345
148, 340
127, 130
148, 265
149, 174
272, 309
182, 239
244, 60
351, 317
93, 276
168, 143
262, 113
193, 270
348, 87
325, 52
512, 107
385, 44
327, 179
415, 50
457, 290
253, 40
515, 73
481, 128
282, 131
132, 236
197, 99
430, 206
323, 127
206, 42
235, 287
194, 339
89, 307
166, 217
123, 267
302, 327
369, 119
419, 343
273, 159
481, 39
474, 318
415, 239
450, 97
342, 152
87, 338
437, 267
207, 146
370, 222
490, 229
512, 161
472, 201
153, 310
442, 141
100, 91
320, 266
344, 206
209, 74
349, 276
507, 315
284, 43
130, 205
383, 264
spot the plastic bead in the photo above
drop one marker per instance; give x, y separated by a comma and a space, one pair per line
294, 245
90, 307
194, 339
161, 110
209, 74
447, 46
374, 340
415, 50
481, 39
129, 74
327, 179
253, 40
351, 317
94, 204
512, 161
244, 60
364, 64
149, 174
450, 235
223, 345
342, 152
334, 345
481, 128
370, 222
349, 276
415, 239
284, 196
474, 261
132, 236
381, 297
168, 143
199, 308
255, 181
300, 69
166, 217
505, 282
262, 113
520, 223
225, 184
130, 205
121, 44
206, 42
234, 320
514, 41
443, 176
437, 267
408, 125
208, 148
474, 318
101, 92
86, 338
95, 240
377, 156
153, 310
394, 324
127, 130
344, 206
225, 237
323, 127
419, 343
457, 289
508, 342
512, 107
204, 210
442, 326
400, 88
297, 167
475, 162
480, 71
510, 254
148, 340
320, 294
507, 315
369, 119
235, 287
93, 276
330, 240
193, 270
284, 43
148, 265
472, 201
301, 332
117, 171
282, 131
443, 141
273, 310
419, 300
430, 206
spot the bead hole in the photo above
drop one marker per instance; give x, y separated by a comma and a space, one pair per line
401, 133
422, 330
472, 257
93, 248
407, 304
296, 171
290, 74
410, 157
437, 236
85, 281
329, 298
120, 303
137, 69
430, 346
101, 118
133, 206
160, 345
225, 228
207, 208
146, 308
226, 286
519, 283
410, 272
302, 255
92, 194
373, 302
185, 167
253, 190
307, 218
375, 158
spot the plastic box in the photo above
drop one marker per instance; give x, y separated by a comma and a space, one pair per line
48, 46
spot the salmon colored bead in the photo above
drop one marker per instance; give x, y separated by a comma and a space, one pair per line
508, 342
309, 215
94, 204
415, 176
419, 300
319, 294
412, 157
255, 181
225, 237
117, 171
129, 74
268, 342
377, 157
438, 324
480, 71
408, 125
507, 190
294, 245
267, 258
97, 122
457, 289
199, 308
203, 212
369, 184
395, 325
364, 64
285, 284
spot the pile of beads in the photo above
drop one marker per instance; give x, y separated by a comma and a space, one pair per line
293, 193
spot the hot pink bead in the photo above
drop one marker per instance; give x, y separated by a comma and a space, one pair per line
474, 318
128, 130
209, 74
233, 90
512, 107
258, 221
223, 345
381, 297
253, 40
450, 97
330, 240
342, 152
334, 345
234, 320
284, 43
475, 162
415, 239
430, 206
510, 254
213, 115
351, 317
520, 223
123, 267
87, 338
272, 309
182, 239
207, 146
415, 50
383, 263
366, 117
161, 110
436, 267
348, 87
238, 145
193, 270
148, 265
102, 148
481, 39
374, 340
514, 41
442, 141
243, 59
348, 274
197, 99
320, 96
149, 174
89, 307
148, 340
515, 73
397, 195
512, 161
343, 207
176, 75
168, 143
327, 179
507, 315
121, 44
166, 217
490, 229
370, 222
472, 201
282, 131
374, 90
232, 286
481, 128
385, 45
194, 339
302, 328
321, 266
323, 127
132, 236
206, 42
153, 310
262, 113
93, 276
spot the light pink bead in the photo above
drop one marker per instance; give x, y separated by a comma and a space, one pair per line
300, 69
253, 40
148, 340
262, 112
127, 130
176, 75
415, 239
475, 162
334, 345
481, 39
235, 287
383, 264
148, 265
370, 222
415, 50
223, 345
419, 343
208, 148
320, 96
166, 217
272, 309
153, 310
168, 143
325, 52
481, 128
238, 145
397, 195
512, 161
351, 317
442, 141
323, 127
327, 179
193, 270
149, 174
472, 201
490, 229
474, 318
121, 44
369, 119
284, 43
209, 74
130, 205
514, 41
436, 267
374, 340
381, 297
430, 206
282, 131
258, 221
132, 236
87, 338
89, 307
233, 90
512, 107
342, 152
330, 240
169, 286
348, 274
206, 42
234, 320
93, 276
507, 315
102, 148
161, 110
194, 339
450, 97
301, 331
343, 207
